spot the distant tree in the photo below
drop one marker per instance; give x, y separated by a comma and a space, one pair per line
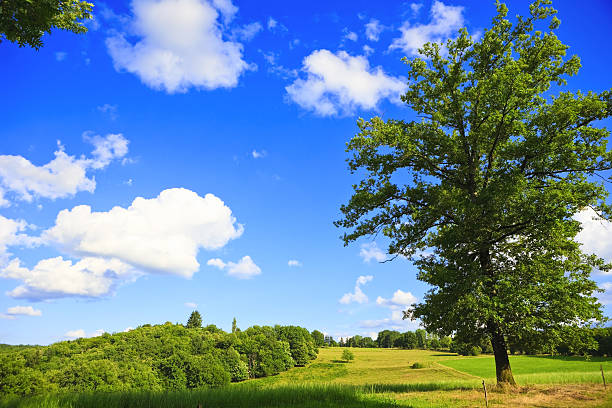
318, 337
234, 327
25, 21
347, 355
421, 336
195, 320
434, 344
445, 342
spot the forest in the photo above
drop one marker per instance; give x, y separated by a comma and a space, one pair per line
154, 357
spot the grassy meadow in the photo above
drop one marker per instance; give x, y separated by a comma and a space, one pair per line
380, 378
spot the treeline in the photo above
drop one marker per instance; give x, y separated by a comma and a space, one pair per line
586, 341
418, 339
159, 357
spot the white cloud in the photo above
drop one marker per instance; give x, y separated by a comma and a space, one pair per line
445, 21
162, 234
294, 262
10, 235
259, 155
416, 7
274, 25
227, 9
371, 251
191, 305
107, 148
13, 312
63, 176
75, 334
79, 333
338, 84
110, 110
23, 311
596, 234
245, 268
357, 296
60, 56
395, 322
368, 50
127, 329
351, 35
180, 45
373, 29
58, 277
400, 300
249, 31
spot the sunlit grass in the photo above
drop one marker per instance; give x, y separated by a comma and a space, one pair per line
377, 378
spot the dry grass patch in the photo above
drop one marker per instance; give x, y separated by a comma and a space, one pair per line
565, 396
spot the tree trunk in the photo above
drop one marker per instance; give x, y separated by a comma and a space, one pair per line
502, 363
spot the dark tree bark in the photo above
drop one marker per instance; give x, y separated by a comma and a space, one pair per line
503, 371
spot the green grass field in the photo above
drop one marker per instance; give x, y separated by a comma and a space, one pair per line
381, 378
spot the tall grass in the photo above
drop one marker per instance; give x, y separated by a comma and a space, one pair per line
298, 396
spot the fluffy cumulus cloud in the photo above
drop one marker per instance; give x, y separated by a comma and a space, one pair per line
370, 251
162, 234
338, 84
13, 312
245, 268
357, 296
400, 300
179, 44
63, 176
596, 234
59, 277
294, 263
445, 21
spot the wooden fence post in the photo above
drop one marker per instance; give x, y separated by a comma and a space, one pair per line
603, 376
485, 390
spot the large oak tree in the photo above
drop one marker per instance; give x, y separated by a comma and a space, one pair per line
481, 191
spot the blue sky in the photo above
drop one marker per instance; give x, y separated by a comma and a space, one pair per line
192, 152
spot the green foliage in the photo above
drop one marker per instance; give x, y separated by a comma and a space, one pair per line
318, 338
489, 182
25, 21
347, 355
417, 365
195, 320
162, 357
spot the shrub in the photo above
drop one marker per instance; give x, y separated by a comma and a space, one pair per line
347, 355
417, 365
475, 351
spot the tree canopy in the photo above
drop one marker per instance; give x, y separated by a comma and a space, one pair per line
481, 191
25, 21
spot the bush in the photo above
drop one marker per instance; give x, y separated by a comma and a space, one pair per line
475, 351
417, 365
347, 355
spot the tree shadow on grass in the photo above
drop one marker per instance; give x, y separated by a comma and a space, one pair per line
340, 361
445, 355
